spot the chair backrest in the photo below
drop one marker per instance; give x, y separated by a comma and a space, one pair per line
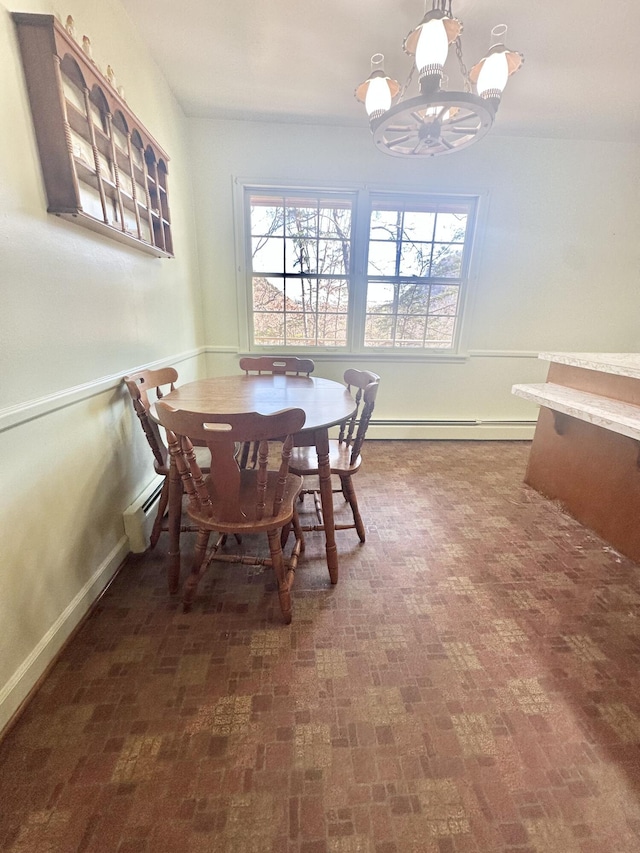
277, 364
354, 430
221, 433
139, 384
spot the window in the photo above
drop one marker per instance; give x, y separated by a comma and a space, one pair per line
356, 271
300, 266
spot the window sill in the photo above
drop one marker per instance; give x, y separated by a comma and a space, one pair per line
344, 355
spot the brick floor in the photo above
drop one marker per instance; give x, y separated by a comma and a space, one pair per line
471, 685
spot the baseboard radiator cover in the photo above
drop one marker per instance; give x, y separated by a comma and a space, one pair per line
472, 430
139, 516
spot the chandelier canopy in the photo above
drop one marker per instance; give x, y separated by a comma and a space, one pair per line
438, 120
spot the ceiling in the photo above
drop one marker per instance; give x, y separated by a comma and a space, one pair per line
293, 60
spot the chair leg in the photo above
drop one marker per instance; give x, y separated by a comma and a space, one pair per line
162, 508
283, 577
197, 570
298, 530
284, 534
350, 494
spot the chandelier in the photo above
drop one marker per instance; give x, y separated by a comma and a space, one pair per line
437, 121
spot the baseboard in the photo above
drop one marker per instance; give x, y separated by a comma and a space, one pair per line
18, 689
453, 430
139, 516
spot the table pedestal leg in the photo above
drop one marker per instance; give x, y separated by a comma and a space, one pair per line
326, 497
174, 522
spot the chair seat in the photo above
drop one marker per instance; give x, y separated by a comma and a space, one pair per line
304, 460
216, 517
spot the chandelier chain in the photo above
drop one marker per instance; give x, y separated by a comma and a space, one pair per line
463, 67
407, 82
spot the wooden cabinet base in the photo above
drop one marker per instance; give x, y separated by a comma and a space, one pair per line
593, 472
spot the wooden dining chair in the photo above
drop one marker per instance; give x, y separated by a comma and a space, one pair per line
140, 385
236, 500
265, 365
290, 364
344, 452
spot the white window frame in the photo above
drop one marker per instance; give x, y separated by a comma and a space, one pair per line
358, 276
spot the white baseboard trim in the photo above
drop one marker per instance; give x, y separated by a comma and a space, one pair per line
453, 430
140, 515
24, 679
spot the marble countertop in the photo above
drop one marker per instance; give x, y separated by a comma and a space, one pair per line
614, 415
622, 363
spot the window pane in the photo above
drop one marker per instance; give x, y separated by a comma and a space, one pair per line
413, 299
268, 294
267, 254
301, 221
451, 227
333, 295
266, 219
384, 225
333, 257
382, 258
379, 331
444, 299
447, 260
415, 259
380, 297
335, 222
300, 255
300, 327
269, 329
332, 330
440, 332
294, 290
418, 225
410, 331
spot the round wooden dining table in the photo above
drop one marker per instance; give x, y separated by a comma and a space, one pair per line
324, 402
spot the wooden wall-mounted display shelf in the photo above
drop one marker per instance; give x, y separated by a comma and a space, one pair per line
101, 168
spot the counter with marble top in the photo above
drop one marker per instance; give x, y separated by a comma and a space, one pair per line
586, 448
621, 363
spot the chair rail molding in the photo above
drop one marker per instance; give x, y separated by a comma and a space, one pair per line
13, 416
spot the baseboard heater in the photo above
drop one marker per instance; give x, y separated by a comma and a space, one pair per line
446, 422
447, 428
140, 515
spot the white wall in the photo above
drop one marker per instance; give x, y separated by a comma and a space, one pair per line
79, 311
555, 268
